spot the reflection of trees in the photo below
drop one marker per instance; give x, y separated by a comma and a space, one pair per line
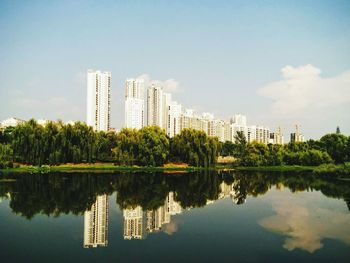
148, 190
55, 194
73, 193
194, 189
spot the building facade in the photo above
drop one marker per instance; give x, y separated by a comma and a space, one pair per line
134, 103
155, 106
297, 136
98, 100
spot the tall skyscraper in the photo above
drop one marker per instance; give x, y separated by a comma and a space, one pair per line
173, 118
278, 137
297, 136
155, 106
99, 100
134, 103
96, 223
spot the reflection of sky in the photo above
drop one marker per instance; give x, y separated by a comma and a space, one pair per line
307, 221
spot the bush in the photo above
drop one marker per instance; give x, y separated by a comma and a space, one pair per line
315, 157
6, 164
325, 169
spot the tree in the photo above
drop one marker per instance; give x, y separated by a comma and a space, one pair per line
314, 157
6, 154
126, 149
255, 154
241, 144
228, 149
335, 145
275, 155
195, 148
153, 148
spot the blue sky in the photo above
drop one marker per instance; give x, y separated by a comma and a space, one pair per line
225, 57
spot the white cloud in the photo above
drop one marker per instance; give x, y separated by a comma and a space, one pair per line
169, 85
303, 90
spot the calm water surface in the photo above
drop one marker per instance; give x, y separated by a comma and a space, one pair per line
201, 217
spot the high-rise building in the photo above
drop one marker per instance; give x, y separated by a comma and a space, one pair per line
134, 103
189, 119
155, 106
277, 137
172, 113
297, 136
217, 128
99, 100
239, 124
258, 134
235, 128
96, 223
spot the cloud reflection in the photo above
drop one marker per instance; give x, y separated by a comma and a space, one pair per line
306, 224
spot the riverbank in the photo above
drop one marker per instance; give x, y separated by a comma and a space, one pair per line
323, 169
98, 167
278, 168
332, 169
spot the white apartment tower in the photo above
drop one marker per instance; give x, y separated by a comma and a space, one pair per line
171, 115
99, 100
134, 103
96, 223
155, 106
278, 136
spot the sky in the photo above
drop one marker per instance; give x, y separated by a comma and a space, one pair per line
280, 63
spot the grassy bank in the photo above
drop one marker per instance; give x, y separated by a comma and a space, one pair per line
97, 167
279, 168
342, 170
324, 169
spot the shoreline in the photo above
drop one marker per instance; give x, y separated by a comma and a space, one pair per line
100, 168
277, 168
173, 168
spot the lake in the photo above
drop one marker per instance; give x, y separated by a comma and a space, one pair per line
212, 216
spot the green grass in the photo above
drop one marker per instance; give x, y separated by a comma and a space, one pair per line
331, 169
97, 167
278, 168
339, 170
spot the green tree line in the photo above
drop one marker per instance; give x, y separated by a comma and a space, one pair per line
331, 148
58, 143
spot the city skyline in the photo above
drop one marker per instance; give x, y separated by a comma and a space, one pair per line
280, 64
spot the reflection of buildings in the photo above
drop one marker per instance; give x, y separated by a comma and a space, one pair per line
173, 207
134, 225
96, 223
229, 190
138, 223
